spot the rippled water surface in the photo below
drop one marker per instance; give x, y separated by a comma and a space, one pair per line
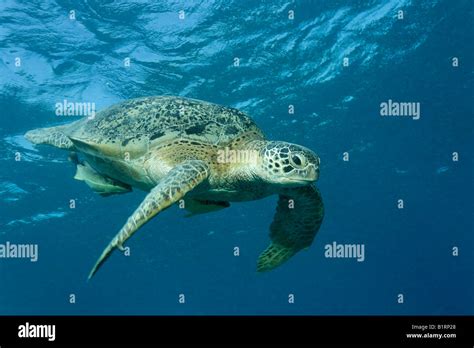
334, 63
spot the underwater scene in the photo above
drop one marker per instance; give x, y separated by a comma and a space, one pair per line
315, 157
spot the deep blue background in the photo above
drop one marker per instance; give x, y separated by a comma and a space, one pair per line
282, 62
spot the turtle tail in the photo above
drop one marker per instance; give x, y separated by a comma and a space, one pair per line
50, 136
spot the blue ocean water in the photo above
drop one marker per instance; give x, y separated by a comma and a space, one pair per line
288, 53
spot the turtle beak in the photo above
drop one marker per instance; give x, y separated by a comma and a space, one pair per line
305, 176
312, 172
316, 169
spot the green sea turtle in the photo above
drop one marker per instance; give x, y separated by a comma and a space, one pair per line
196, 154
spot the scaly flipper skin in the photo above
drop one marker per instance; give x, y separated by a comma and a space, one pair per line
50, 136
179, 181
293, 227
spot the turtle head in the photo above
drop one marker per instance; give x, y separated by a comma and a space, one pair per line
288, 164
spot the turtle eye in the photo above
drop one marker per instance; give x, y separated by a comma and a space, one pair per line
297, 160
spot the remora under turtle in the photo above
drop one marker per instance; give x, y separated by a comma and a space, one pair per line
204, 154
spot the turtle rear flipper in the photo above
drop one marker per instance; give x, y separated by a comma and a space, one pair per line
299, 215
50, 136
102, 185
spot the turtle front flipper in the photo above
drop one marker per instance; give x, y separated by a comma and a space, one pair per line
179, 181
299, 215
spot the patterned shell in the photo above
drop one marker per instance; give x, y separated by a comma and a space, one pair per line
137, 125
